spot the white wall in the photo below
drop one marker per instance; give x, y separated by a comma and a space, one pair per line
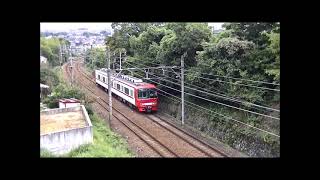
61, 105
72, 105
64, 141
67, 105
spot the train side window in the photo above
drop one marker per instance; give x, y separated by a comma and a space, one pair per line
126, 90
104, 79
118, 86
131, 93
98, 76
121, 88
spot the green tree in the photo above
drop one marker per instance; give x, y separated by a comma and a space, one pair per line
96, 58
184, 37
50, 49
254, 32
274, 47
48, 77
122, 34
146, 46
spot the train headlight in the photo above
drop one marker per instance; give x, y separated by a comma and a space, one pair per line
148, 104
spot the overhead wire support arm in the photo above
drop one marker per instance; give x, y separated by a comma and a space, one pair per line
160, 67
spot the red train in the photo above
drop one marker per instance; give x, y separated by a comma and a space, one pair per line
138, 94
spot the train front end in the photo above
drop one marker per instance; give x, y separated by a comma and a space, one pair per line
147, 99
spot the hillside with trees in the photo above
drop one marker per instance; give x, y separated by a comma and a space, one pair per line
50, 48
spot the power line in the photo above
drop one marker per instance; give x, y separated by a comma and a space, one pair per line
216, 90
263, 82
218, 102
142, 62
224, 116
234, 100
145, 63
239, 84
215, 94
221, 96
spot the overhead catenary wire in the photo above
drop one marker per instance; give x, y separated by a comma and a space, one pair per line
190, 84
264, 88
223, 94
220, 103
239, 84
158, 67
231, 99
228, 98
224, 115
224, 97
217, 102
143, 62
263, 82
148, 62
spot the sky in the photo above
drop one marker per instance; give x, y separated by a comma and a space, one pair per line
91, 26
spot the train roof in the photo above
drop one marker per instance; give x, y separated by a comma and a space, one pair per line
133, 81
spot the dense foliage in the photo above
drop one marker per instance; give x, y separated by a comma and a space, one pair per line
96, 58
48, 77
50, 48
58, 88
62, 91
242, 50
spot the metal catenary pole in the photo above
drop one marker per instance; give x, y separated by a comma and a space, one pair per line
182, 88
109, 87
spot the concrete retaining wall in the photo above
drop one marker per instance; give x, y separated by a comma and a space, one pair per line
64, 141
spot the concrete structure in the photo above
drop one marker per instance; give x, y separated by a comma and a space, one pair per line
217, 31
64, 129
43, 90
43, 60
66, 103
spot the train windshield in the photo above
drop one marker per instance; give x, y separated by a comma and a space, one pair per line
147, 93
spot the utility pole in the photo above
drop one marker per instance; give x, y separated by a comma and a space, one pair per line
114, 59
182, 87
60, 54
91, 57
109, 87
71, 66
64, 54
120, 59
71, 72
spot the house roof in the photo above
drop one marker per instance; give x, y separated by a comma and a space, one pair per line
71, 100
43, 86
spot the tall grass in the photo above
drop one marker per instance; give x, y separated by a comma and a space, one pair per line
105, 144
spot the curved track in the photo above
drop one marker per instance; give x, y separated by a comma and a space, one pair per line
143, 135
185, 136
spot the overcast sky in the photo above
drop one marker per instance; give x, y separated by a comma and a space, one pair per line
91, 26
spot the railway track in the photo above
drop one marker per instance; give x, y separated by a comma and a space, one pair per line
180, 133
143, 135
187, 137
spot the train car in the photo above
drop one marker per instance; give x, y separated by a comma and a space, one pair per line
133, 91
